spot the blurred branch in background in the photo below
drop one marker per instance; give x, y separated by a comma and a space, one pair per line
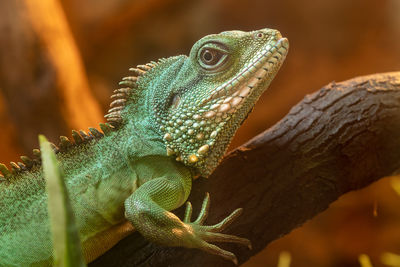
50, 24
42, 77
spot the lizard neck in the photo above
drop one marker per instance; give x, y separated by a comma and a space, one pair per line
139, 138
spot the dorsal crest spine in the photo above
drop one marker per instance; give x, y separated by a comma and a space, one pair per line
119, 99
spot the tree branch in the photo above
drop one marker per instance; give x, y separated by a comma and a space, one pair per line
341, 138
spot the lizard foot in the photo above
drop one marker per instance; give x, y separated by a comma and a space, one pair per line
203, 234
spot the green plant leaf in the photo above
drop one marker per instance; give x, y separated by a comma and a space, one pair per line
66, 244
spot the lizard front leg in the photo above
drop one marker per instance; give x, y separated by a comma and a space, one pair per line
148, 211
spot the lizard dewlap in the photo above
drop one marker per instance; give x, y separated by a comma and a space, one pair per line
170, 121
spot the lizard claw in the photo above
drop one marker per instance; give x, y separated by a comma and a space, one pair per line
211, 233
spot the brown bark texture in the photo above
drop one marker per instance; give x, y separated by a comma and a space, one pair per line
341, 138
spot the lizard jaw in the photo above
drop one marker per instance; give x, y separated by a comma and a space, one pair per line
241, 92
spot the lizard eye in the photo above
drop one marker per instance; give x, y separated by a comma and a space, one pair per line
211, 58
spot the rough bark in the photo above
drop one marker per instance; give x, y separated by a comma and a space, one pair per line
341, 138
41, 72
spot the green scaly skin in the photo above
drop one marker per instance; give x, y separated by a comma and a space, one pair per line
172, 122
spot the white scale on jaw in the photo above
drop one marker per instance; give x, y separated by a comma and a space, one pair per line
225, 102
258, 69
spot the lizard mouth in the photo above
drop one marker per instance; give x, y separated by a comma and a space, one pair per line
241, 92
230, 96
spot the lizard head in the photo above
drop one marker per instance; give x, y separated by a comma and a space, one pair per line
198, 102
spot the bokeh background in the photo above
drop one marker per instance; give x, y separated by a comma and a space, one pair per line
61, 59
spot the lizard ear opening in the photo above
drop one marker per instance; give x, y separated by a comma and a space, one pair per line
174, 101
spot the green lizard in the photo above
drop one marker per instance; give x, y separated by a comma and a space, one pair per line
171, 122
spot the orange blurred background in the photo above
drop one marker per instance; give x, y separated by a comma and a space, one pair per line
94, 42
